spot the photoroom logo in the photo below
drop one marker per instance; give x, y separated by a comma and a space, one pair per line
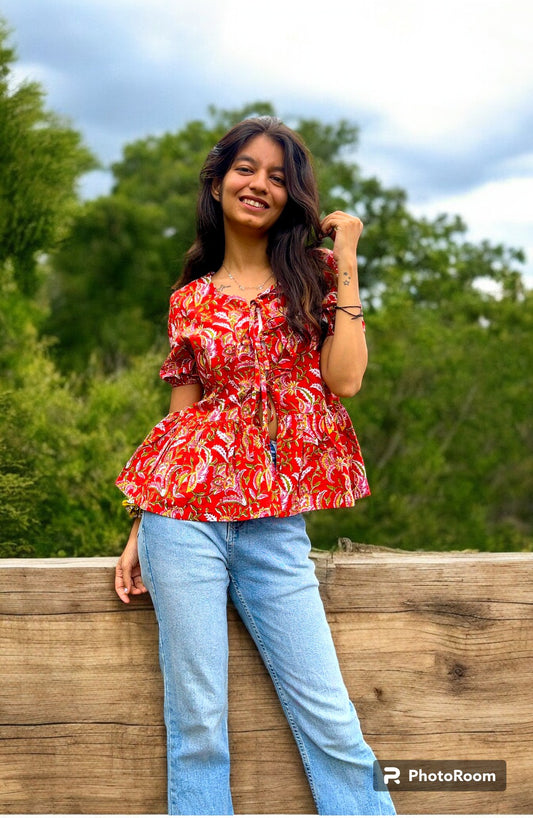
391, 774
439, 775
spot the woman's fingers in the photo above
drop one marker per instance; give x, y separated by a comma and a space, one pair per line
128, 581
338, 222
122, 581
137, 585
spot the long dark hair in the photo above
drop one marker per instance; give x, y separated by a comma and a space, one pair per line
293, 240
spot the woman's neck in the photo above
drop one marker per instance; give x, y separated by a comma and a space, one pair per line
247, 258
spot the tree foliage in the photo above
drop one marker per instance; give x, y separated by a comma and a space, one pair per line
443, 419
40, 162
443, 416
60, 449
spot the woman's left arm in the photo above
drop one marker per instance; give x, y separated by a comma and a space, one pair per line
344, 355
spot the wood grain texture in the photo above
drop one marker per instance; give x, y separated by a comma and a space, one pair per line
436, 650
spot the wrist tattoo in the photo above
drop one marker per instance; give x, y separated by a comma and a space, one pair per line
347, 278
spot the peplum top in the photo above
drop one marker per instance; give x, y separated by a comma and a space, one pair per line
211, 461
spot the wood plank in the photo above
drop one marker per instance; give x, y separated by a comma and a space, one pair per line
436, 651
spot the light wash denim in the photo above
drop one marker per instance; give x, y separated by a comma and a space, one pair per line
188, 568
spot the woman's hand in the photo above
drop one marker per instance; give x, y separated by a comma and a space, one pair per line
345, 230
128, 571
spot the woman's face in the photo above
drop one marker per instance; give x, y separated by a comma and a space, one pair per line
253, 192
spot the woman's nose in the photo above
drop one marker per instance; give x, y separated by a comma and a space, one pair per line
259, 181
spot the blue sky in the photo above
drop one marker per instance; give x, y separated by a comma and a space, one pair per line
442, 92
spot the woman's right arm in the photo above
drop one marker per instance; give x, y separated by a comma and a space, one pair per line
128, 578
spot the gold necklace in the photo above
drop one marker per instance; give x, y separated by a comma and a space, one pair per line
241, 286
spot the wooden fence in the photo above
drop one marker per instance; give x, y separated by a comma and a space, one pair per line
436, 651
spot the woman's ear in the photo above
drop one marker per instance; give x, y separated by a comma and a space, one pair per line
215, 189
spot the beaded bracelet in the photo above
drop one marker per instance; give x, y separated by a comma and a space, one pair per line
133, 509
351, 307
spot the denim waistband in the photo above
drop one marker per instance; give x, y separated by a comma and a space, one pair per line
273, 451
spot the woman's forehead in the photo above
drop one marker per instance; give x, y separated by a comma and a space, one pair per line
262, 148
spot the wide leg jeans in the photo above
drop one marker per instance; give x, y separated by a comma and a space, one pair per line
188, 568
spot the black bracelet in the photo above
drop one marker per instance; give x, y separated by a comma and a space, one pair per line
351, 307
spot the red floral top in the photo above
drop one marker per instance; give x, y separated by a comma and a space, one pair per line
212, 461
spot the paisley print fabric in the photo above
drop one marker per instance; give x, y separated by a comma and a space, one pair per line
212, 461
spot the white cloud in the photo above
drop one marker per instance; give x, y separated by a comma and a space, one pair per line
500, 211
431, 71
506, 201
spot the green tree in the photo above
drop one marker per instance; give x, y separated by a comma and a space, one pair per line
444, 423
61, 449
109, 302
40, 161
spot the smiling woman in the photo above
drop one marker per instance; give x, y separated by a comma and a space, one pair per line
265, 334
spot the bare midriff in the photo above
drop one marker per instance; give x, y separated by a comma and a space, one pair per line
271, 418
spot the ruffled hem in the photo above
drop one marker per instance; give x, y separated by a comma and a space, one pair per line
217, 466
187, 513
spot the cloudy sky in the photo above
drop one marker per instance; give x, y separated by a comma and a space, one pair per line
442, 91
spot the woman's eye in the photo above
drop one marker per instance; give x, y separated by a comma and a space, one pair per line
279, 180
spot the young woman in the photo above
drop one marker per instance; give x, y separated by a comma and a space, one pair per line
266, 333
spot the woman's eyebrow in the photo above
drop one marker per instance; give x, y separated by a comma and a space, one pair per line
245, 158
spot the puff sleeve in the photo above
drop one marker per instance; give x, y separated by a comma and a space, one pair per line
179, 368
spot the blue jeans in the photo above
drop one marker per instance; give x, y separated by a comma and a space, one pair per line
189, 567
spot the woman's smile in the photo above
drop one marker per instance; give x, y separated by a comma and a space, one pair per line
257, 204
